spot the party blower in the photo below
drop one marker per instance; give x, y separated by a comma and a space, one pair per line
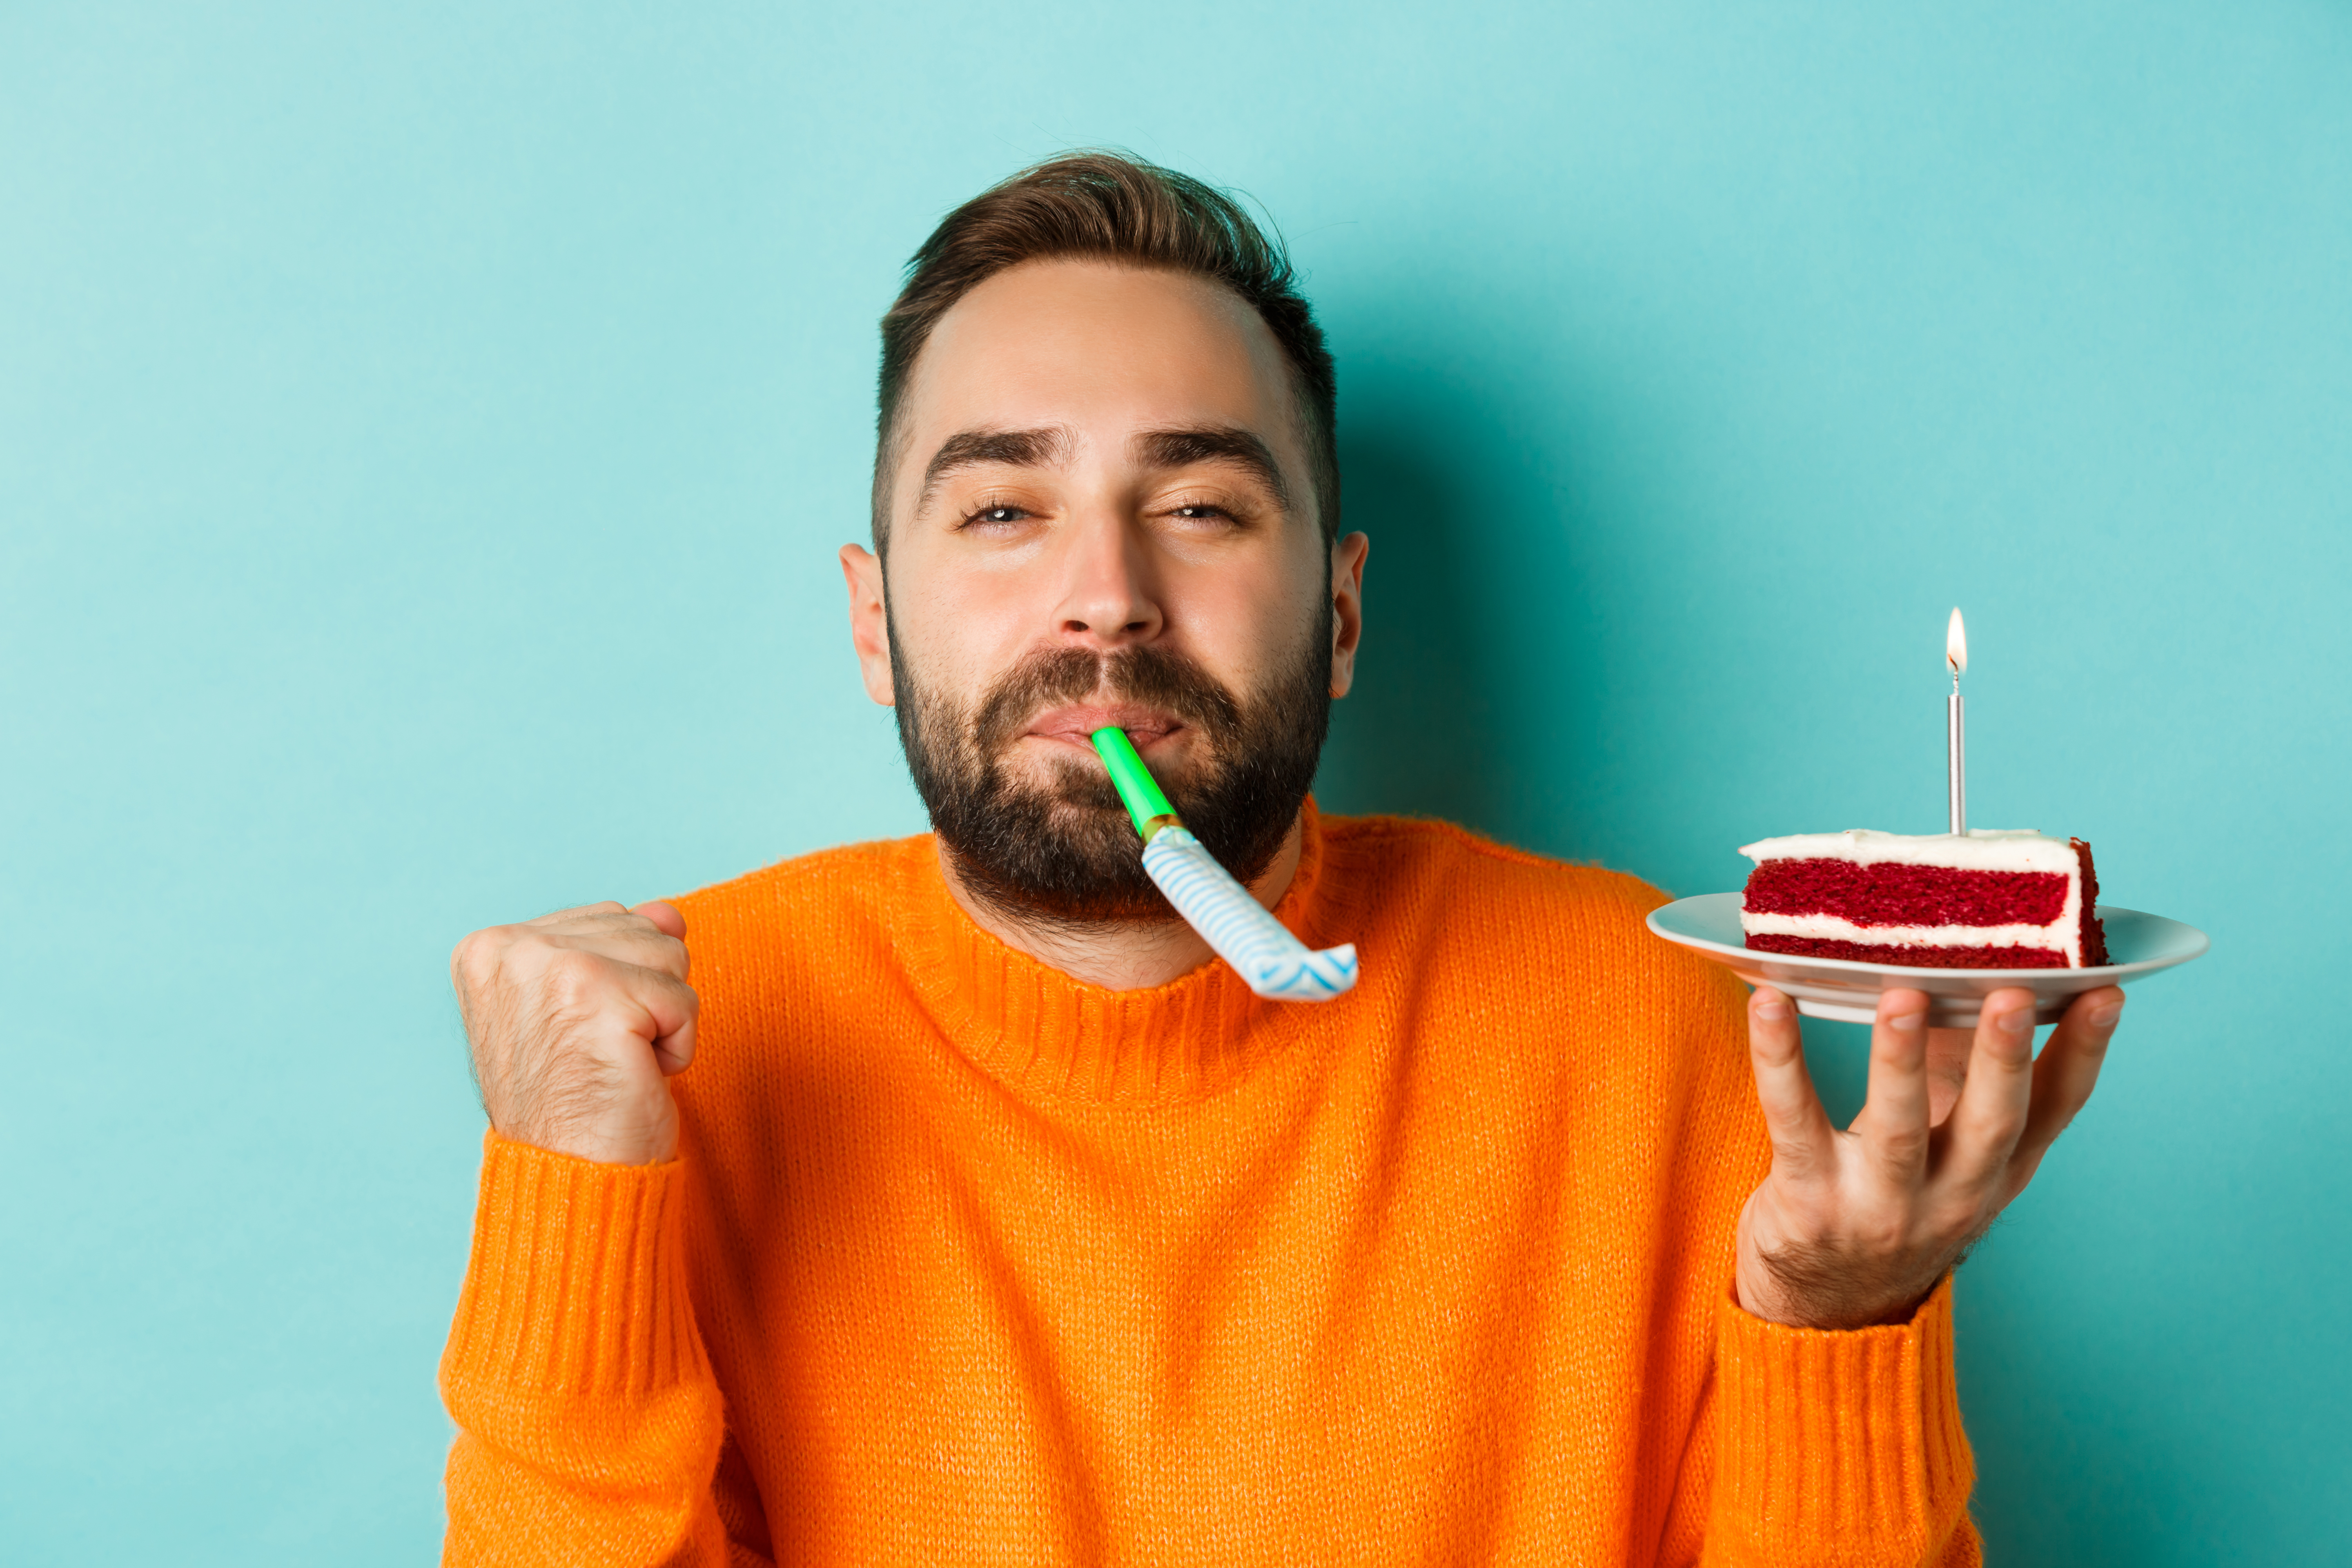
1277, 964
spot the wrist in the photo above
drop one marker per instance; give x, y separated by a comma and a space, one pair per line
1817, 1292
651, 1142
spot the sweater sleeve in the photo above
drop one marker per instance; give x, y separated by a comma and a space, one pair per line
589, 1420
1833, 1450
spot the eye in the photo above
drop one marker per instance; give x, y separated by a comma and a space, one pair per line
1200, 512
997, 517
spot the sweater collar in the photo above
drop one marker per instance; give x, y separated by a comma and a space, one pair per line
1046, 1035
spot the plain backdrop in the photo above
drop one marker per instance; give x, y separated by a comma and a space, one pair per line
425, 430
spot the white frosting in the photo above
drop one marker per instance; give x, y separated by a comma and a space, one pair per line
1982, 849
1831, 928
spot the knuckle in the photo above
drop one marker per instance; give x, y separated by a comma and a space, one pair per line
1904, 1144
476, 949
1884, 1235
573, 979
576, 961
2005, 1125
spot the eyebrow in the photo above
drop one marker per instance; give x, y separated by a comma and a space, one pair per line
1222, 444
1051, 446
1044, 448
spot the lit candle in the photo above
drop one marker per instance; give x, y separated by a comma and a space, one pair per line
1956, 658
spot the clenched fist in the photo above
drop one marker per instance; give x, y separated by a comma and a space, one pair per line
576, 1020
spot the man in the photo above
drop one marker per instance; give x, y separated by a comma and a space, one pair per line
997, 1223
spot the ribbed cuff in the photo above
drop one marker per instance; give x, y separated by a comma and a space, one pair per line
576, 1286
1839, 1449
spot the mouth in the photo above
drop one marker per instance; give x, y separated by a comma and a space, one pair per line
1075, 726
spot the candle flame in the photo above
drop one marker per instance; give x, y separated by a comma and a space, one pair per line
1956, 645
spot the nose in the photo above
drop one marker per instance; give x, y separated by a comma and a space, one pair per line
1109, 598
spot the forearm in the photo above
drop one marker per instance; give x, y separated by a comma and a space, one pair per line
590, 1422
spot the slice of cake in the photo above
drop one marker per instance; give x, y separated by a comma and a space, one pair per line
1983, 899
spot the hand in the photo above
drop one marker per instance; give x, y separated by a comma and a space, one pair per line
1855, 1227
576, 1020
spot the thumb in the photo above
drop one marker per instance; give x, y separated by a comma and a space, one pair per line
665, 915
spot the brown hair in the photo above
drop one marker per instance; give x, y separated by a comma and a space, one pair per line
1122, 209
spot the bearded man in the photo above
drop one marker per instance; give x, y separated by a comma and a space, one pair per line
997, 1223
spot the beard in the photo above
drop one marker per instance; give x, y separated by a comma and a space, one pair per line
1064, 852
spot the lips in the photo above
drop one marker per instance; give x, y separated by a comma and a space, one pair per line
1077, 725
1060, 697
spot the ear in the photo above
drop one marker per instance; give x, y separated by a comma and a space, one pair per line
1346, 608
869, 621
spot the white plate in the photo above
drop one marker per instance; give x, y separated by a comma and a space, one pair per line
1838, 988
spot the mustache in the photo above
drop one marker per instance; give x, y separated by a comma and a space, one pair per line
1159, 676
1059, 850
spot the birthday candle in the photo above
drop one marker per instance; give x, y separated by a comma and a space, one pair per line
1956, 720
1274, 964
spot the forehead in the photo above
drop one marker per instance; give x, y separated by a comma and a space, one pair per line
1101, 349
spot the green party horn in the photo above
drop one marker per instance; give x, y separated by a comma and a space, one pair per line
1136, 786
1270, 959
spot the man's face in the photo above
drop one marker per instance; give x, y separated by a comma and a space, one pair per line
1101, 512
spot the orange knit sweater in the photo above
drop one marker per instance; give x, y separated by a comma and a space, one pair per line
962, 1262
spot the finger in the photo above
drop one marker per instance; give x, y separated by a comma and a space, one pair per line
660, 1011
672, 1007
2068, 1070
579, 912
1947, 1071
628, 939
665, 915
1991, 1116
1803, 1142
1893, 1120
618, 1007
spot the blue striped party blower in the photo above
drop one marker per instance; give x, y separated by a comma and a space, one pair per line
1277, 964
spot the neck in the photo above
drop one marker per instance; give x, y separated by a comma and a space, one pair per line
1119, 955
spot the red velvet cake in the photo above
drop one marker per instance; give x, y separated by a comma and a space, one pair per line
1979, 901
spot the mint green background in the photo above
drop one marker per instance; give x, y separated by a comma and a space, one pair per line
425, 430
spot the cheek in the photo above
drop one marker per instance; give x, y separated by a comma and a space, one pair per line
1246, 623
956, 630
